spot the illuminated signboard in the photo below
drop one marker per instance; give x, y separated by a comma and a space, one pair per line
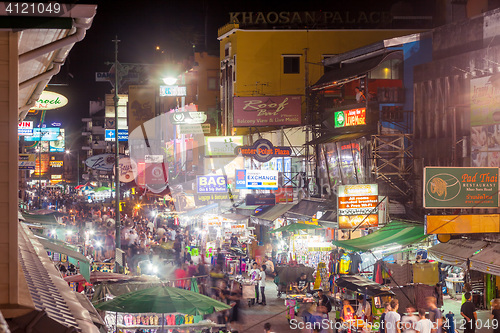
352, 117
58, 146
25, 128
222, 145
357, 204
56, 164
211, 184
257, 179
173, 91
263, 150
47, 134
50, 100
110, 135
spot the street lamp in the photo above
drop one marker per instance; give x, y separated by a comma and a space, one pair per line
169, 80
68, 152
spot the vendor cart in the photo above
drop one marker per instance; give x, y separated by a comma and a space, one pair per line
248, 292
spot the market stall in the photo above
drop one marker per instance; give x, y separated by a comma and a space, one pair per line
161, 308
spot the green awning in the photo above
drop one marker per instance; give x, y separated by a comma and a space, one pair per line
76, 258
397, 232
40, 218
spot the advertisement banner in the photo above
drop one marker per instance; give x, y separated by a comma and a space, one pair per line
156, 174
353, 117
47, 134
484, 102
50, 100
263, 150
27, 161
462, 224
141, 107
222, 145
460, 187
25, 128
185, 118
357, 204
42, 168
211, 184
103, 162
58, 146
209, 198
126, 166
257, 179
267, 111
194, 129
262, 199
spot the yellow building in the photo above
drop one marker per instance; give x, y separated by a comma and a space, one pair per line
265, 63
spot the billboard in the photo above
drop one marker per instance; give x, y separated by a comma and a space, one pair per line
357, 206
47, 134
174, 91
27, 161
58, 146
267, 111
257, 179
484, 101
211, 184
223, 165
25, 128
353, 117
222, 145
460, 187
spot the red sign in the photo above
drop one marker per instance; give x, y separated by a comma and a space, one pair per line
267, 111
156, 173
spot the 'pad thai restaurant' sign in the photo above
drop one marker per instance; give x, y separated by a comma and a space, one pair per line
267, 111
460, 187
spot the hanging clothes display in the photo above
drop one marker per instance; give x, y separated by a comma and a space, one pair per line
345, 264
401, 274
355, 263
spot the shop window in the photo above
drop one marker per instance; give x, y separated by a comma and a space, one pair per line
291, 64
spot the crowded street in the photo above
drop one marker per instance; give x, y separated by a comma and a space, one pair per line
244, 167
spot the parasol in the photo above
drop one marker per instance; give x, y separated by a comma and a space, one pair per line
97, 276
163, 299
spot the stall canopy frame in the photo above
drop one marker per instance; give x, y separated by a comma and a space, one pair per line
362, 285
402, 233
487, 261
456, 251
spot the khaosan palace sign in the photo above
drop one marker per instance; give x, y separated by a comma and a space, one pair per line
267, 111
263, 151
301, 18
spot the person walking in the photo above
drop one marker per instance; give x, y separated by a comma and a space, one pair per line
495, 315
468, 311
393, 318
424, 325
254, 275
409, 320
387, 308
435, 315
262, 284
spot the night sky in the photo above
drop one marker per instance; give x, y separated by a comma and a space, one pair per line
141, 25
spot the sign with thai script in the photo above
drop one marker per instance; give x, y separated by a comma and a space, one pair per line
211, 184
357, 206
222, 145
352, 117
257, 179
267, 111
460, 187
263, 150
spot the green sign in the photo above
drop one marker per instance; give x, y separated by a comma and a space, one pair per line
353, 117
460, 187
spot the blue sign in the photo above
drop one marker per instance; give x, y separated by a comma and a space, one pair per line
122, 135
47, 134
211, 184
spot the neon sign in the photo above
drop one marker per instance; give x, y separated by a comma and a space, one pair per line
352, 117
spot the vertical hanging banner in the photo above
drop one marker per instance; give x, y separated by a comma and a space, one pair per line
141, 107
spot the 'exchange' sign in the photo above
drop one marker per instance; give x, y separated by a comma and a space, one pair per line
460, 187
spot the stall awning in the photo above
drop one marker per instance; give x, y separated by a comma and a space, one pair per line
362, 285
350, 71
274, 212
397, 232
41, 219
76, 258
329, 137
309, 208
234, 216
456, 251
200, 210
329, 219
487, 261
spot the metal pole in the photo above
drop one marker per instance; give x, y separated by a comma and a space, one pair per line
117, 160
78, 166
40, 171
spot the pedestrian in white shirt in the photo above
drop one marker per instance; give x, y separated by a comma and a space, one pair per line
409, 320
392, 318
424, 325
262, 283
